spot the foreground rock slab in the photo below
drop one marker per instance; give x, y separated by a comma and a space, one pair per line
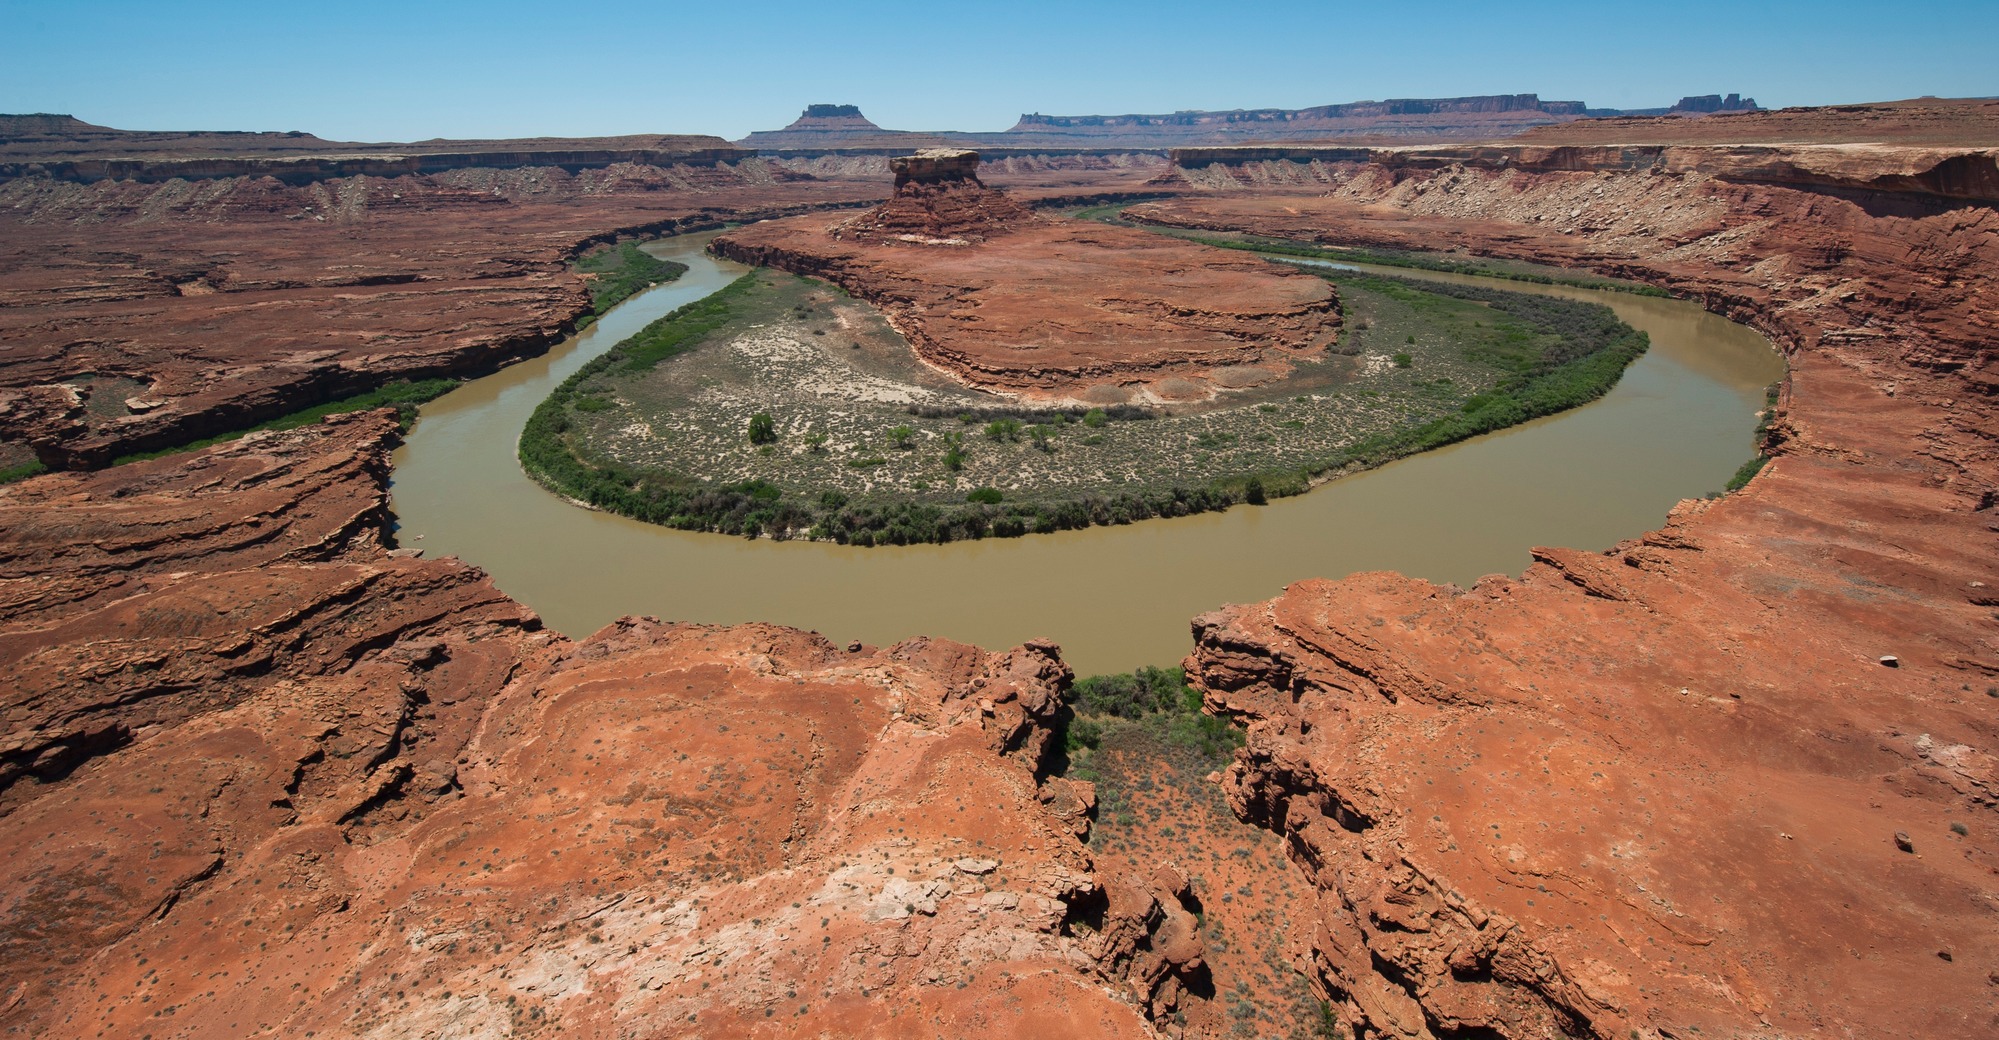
1676, 786
263, 776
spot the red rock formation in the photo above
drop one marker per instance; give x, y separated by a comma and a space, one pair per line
264, 777
1671, 785
1047, 308
224, 303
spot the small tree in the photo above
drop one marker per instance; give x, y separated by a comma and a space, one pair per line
985, 496
1404, 361
1095, 418
816, 443
1003, 429
900, 436
763, 429
1039, 435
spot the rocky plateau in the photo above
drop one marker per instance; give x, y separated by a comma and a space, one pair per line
1733, 777
1045, 308
265, 773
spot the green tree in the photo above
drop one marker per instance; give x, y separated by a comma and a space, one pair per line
763, 429
1003, 429
900, 436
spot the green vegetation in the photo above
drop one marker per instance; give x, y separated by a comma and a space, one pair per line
405, 396
665, 443
23, 471
1748, 470
622, 271
1154, 699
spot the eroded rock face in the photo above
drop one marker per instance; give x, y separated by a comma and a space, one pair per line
1660, 788
935, 166
218, 304
1051, 309
263, 777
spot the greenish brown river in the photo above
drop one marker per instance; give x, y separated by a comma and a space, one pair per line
1676, 426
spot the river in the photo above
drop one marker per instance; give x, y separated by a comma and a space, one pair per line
1676, 426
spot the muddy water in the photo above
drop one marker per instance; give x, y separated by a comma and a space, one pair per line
1675, 427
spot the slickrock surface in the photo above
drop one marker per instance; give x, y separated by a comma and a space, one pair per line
264, 777
1672, 785
135, 316
1046, 308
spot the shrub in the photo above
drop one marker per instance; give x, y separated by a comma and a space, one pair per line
985, 496
1403, 360
1095, 418
763, 429
1003, 429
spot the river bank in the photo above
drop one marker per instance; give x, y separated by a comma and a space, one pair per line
1676, 426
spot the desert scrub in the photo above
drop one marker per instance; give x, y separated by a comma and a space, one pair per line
617, 273
656, 428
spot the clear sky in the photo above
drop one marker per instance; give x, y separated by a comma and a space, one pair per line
362, 70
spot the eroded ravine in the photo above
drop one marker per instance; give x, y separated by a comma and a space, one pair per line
1675, 427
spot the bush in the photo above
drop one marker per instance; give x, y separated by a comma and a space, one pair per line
985, 496
763, 429
1095, 418
1003, 429
1403, 360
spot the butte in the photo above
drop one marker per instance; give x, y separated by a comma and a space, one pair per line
1050, 309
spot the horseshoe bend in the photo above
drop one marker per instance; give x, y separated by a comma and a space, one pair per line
269, 768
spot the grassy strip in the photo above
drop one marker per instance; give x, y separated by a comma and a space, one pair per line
22, 472
404, 395
1748, 470
622, 272
1557, 354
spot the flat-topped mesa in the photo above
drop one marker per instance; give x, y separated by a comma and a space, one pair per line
938, 201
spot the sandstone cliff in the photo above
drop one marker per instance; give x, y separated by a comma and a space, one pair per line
261, 776
1678, 785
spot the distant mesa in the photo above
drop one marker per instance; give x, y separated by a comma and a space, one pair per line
1486, 117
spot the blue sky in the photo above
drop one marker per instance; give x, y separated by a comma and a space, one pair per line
368, 71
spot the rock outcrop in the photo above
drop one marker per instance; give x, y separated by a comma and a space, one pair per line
263, 776
66, 148
227, 302
1677, 785
1048, 308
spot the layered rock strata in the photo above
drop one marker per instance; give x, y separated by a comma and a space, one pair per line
265, 777
138, 316
1735, 777
1046, 308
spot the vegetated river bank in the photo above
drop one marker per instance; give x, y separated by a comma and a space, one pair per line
1676, 426
861, 444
